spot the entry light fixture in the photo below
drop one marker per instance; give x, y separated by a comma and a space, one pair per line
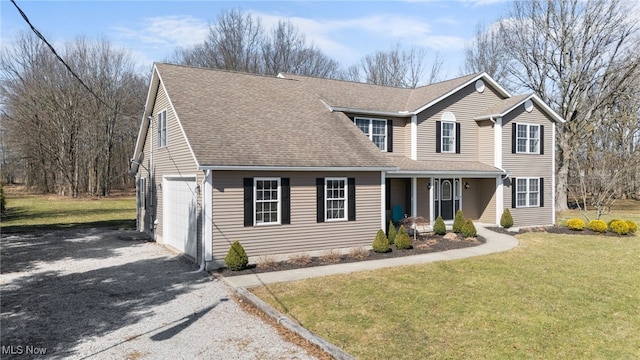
429, 185
466, 185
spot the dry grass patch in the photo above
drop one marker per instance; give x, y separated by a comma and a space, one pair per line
301, 259
359, 253
331, 256
266, 262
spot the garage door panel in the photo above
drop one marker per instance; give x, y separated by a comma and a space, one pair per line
180, 214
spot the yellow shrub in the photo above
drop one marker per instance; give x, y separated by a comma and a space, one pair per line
575, 224
598, 226
633, 227
619, 227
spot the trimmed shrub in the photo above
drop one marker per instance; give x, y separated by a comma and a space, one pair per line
598, 226
468, 229
381, 243
236, 258
619, 227
506, 221
392, 232
633, 227
575, 224
439, 228
403, 241
458, 222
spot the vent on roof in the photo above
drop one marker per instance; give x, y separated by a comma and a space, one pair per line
480, 86
528, 105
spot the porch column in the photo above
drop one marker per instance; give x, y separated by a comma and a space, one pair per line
383, 200
207, 216
432, 210
414, 196
499, 198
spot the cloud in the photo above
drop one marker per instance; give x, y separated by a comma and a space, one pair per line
168, 31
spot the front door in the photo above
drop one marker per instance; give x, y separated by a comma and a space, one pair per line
446, 199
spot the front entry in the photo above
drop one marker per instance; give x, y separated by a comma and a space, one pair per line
446, 198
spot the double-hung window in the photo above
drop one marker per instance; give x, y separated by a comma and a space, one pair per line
336, 199
527, 192
375, 130
448, 140
162, 128
528, 139
267, 200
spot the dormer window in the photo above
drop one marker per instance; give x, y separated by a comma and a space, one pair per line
375, 129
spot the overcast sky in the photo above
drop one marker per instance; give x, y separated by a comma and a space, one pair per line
344, 30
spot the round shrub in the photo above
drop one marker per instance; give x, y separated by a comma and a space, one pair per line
619, 227
392, 232
633, 227
468, 229
381, 243
458, 222
506, 221
439, 228
236, 258
598, 226
575, 224
402, 240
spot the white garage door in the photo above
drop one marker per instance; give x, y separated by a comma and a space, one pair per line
179, 214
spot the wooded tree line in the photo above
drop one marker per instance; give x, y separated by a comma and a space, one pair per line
579, 56
65, 140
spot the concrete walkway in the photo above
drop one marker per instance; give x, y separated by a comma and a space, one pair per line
496, 242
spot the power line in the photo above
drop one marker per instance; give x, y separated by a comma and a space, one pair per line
53, 50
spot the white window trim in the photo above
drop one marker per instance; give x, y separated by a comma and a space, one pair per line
452, 147
327, 199
162, 128
528, 192
528, 139
370, 131
256, 201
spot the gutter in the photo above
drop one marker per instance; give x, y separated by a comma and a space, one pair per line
293, 168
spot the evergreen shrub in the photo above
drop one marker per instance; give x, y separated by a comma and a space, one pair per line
392, 232
458, 222
381, 243
439, 228
506, 221
402, 240
469, 230
236, 258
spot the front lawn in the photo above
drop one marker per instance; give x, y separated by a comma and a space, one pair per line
27, 212
554, 296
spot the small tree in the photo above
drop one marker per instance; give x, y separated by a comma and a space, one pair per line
236, 258
381, 243
506, 221
402, 240
468, 229
439, 228
392, 232
458, 222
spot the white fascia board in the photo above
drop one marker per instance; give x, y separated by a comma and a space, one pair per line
467, 174
547, 109
533, 97
292, 168
144, 124
400, 114
483, 76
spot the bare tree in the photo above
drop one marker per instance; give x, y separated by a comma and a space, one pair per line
486, 54
576, 55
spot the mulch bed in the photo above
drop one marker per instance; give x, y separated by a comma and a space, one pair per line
554, 230
428, 243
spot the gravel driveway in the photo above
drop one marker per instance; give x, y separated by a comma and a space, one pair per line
106, 294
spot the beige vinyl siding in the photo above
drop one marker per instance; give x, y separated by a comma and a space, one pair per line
424, 202
304, 233
529, 165
173, 160
401, 138
465, 105
486, 142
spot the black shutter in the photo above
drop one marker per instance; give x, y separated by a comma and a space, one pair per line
541, 139
389, 135
351, 189
513, 138
542, 192
438, 135
387, 189
513, 193
285, 192
458, 138
248, 201
320, 199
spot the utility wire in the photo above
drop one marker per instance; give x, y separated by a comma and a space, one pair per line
53, 50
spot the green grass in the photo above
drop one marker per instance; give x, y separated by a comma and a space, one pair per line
42, 212
553, 297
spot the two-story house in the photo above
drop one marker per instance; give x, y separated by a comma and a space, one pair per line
290, 164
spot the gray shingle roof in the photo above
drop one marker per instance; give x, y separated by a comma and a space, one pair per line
237, 119
405, 164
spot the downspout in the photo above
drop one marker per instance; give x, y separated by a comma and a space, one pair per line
203, 261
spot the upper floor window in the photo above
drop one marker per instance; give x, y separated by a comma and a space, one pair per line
528, 138
375, 129
448, 137
267, 200
162, 128
448, 134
